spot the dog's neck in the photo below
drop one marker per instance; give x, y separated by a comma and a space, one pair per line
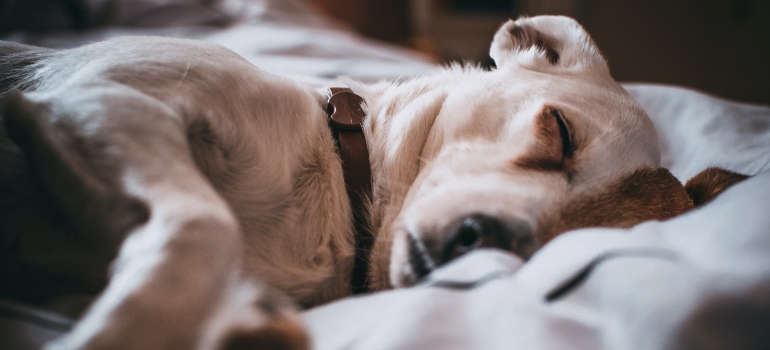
399, 119
365, 123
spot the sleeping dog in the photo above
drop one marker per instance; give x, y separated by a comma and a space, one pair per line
215, 192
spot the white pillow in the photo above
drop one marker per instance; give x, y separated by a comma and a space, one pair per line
696, 130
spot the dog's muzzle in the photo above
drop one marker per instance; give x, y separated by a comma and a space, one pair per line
464, 235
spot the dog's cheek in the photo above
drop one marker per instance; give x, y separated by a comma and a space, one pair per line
646, 194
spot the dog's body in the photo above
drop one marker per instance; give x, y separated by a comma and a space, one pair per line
204, 174
237, 168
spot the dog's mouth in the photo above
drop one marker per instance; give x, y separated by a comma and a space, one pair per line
427, 253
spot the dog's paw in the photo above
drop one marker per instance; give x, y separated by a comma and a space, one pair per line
279, 332
255, 317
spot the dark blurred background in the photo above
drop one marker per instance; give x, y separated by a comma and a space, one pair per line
719, 46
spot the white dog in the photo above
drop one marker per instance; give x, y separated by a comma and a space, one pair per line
210, 179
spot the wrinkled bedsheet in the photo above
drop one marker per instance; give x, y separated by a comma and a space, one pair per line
698, 281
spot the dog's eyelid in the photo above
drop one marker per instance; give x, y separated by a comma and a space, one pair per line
565, 132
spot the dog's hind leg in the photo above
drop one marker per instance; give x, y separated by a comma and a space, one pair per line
175, 272
60, 226
97, 209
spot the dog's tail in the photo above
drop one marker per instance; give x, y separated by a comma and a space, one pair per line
18, 65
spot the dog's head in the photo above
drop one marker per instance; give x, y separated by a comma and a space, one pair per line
512, 157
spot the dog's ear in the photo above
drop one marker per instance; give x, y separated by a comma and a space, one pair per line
710, 183
646, 194
545, 41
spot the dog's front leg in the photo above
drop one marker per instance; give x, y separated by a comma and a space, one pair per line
170, 276
177, 283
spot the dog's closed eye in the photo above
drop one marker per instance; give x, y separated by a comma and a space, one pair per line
554, 145
565, 134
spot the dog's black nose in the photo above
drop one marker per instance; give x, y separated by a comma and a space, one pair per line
480, 230
466, 234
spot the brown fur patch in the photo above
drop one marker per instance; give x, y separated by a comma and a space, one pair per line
711, 182
646, 194
280, 333
526, 37
549, 152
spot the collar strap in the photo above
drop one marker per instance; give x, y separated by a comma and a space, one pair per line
345, 119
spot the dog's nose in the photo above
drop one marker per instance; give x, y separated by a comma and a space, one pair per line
465, 234
480, 230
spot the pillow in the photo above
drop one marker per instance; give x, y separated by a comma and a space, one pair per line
696, 131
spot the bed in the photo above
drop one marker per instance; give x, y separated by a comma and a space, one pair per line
698, 281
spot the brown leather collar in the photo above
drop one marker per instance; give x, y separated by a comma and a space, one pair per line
345, 119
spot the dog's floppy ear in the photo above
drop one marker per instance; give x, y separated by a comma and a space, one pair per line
710, 183
646, 194
545, 41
